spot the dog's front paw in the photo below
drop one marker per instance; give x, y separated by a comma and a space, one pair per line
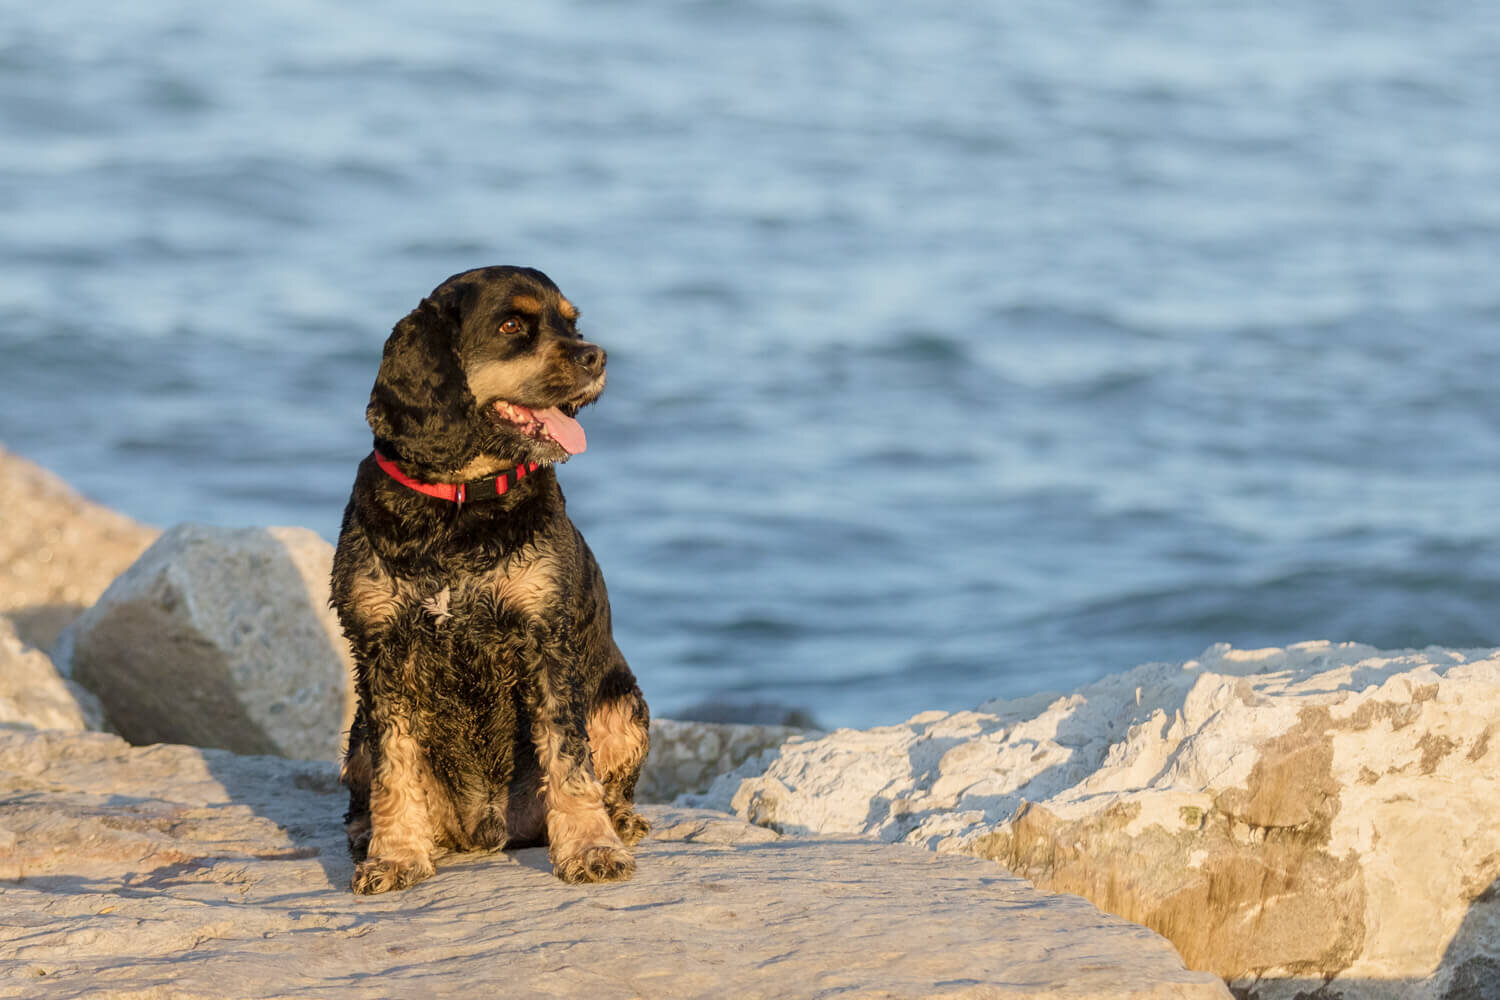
631, 827
596, 864
383, 875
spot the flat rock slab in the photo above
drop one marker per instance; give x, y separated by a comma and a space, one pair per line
171, 872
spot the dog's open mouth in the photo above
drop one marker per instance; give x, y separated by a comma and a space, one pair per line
554, 424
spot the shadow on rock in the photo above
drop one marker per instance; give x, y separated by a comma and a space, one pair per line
39, 625
302, 799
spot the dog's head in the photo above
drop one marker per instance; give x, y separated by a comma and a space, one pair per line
489, 366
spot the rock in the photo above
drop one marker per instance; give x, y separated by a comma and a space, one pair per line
1288, 818
687, 756
33, 694
172, 872
58, 551
220, 637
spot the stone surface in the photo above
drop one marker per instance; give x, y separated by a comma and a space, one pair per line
174, 873
220, 637
687, 756
1286, 817
58, 551
34, 695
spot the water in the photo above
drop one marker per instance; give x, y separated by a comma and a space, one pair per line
955, 353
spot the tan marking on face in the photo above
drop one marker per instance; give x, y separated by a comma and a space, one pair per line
526, 303
507, 380
569, 310
616, 738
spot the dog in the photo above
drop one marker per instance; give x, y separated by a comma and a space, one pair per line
494, 708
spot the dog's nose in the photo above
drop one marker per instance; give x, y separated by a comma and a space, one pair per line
590, 357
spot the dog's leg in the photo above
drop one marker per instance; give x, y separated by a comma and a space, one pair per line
583, 843
355, 776
402, 838
619, 730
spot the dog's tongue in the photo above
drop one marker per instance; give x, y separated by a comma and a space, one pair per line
564, 429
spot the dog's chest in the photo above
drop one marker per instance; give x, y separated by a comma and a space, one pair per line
438, 607
529, 588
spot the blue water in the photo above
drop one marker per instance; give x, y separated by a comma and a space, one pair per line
956, 351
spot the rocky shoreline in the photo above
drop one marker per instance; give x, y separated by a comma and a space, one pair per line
1315, 821
174, 872
1315, 818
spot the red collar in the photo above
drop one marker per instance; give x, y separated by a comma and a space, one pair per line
480, 489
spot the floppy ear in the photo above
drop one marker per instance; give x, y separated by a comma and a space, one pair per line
421, 404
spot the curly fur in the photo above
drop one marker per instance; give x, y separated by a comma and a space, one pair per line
494, 706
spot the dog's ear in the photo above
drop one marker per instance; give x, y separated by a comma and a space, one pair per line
421, 403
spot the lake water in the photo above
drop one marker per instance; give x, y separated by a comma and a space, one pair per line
956, 351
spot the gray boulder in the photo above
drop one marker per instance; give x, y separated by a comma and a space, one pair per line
220, 637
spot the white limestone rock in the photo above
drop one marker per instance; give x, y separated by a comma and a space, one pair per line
220, 637
686, 757
168, 871
58, 551
34, 695
1285, 816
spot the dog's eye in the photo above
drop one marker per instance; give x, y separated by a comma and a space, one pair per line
511, 325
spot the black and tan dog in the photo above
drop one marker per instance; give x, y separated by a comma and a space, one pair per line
494, 707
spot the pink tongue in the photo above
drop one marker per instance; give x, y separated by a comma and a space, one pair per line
564, 429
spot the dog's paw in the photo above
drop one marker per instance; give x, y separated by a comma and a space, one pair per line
596, 864
383, 875
631, 827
